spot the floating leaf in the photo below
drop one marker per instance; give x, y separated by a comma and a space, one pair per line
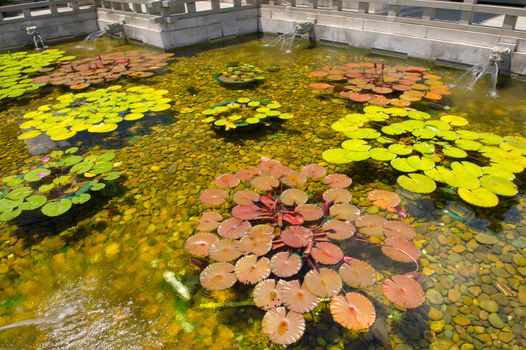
454, 120
417, 183
498, 185
480, 197
56, 208
33, 202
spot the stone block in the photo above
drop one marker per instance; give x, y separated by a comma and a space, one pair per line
462, 37
409, 30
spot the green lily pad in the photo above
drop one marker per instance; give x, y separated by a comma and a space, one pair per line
468, 145
106, 157
364, 133
61, 180
356, 145
510, 165
490, 138
33, 202
81, 199
10, 214
36, 174
468, 134
437, 124
72, 160
19, 193
448, 135
417, 183
516, 141
454, 152
400, 149
101, 167
467, 167
394, 129
112, 176
424, 147
56, 208
381, 154
498, 185
420, 163
396, 111
12, 180
31, 134
454, 120
498, 171
425, 133
46, 188
8, 204
401, 164
480, 197
459, 179
97, 186
412, 124
341, 156
419, 115
71, 150
82, 167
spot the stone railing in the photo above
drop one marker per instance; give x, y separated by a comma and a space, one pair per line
43, 9
167, 10
467, 15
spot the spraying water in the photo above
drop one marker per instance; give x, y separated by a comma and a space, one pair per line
95, 35
286, 40
489, 67
39, 321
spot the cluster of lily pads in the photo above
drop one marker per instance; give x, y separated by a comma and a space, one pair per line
240, 75
82, 73
288, 242
380, 84
243, 112
478, 166
55, 183
97, 111
16, 69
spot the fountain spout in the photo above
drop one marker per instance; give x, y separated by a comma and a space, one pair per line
286, 40
112, 29
34, 33
491, 67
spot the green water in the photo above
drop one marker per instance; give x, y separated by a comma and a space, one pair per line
102, 265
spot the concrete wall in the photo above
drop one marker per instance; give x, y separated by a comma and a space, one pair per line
185, 30
421, 41
13, 34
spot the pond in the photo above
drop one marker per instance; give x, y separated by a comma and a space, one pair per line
114, 273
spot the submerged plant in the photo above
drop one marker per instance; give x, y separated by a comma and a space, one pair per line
239, 75
478, 166
16, 69
290, 245
380, 84
243, 112
55, 183
82, 73
98, 111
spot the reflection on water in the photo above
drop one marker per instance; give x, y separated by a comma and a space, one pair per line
110, 263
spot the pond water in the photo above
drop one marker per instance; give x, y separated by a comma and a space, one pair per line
94, 279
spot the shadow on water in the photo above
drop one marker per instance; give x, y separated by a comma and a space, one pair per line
34, 226
126, 132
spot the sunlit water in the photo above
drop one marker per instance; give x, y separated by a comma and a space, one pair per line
97, 278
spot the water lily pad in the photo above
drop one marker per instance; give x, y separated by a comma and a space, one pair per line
101, 167
498, 171
412, 124
341, 156
448, 135
417, 183
454, 120
81, 199
82, 167
400, 149
97, 186
394, 129
454, 152
12, 180
381, 154
56, 208
112, 176
10, 214
364, 133
8, 204
425, 133
419, 115
498, 185
424, 147
420, 163
480, 197
490, 138
468, 145
401, 164
102, 128
33, 202
356, 145
31, 134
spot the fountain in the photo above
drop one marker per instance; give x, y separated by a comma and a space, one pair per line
498, 55
34, 33
285, 40
112, 29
